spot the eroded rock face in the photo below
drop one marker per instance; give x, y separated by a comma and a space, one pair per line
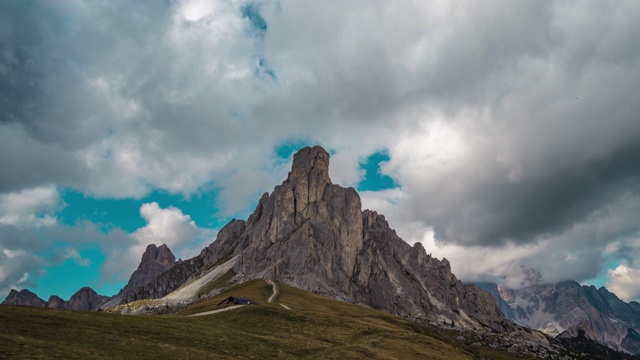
154, 262
312, 234
567, 309
582, 328
163, 284
24, 297
503, 305
149, 281
405, 280
308, 231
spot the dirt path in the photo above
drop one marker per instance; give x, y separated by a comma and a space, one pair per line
276, 291
274, 286
217, 311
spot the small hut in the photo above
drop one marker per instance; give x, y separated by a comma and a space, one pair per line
237, 300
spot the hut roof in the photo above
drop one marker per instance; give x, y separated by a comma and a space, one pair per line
238, 300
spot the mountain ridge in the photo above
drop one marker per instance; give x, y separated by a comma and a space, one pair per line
566, 309
85, 299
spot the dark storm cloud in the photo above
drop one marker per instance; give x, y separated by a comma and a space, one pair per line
548, 203
544, 103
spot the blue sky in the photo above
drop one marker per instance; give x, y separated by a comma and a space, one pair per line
504, 143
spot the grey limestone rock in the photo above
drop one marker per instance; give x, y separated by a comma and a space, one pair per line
313, 234
152, 279
155, 260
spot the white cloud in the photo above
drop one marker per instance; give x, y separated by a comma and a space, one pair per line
345, 167
382, 201
194, 10
623, 281
29, 207
73, 254
15, 267
164, 226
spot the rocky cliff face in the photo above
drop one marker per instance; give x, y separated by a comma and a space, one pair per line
493, 289
154, 262
308, 232
151, 280
312, 234
23, 297
162, 284
567, 309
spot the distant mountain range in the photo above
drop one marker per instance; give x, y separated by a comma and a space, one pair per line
313, 235
565, 309
85, 299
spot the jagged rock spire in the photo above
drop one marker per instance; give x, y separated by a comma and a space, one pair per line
160, 254
310, 163
154, 261
312, 234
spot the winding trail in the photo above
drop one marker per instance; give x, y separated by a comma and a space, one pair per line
276, 291
275, 288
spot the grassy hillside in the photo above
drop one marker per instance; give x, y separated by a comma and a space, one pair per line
316, 327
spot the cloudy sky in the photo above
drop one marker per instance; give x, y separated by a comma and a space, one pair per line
503, 135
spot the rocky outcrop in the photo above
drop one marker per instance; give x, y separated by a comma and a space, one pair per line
493, 289
313, 234
583, 328
162, 284
86, 299
149, 280
567, 309
392, 275
23, 297
308, 232
155, 260
55, 302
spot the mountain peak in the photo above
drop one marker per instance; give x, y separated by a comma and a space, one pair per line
569, 310
310, 163
161, 254
23, 297
154, 261
85, 299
